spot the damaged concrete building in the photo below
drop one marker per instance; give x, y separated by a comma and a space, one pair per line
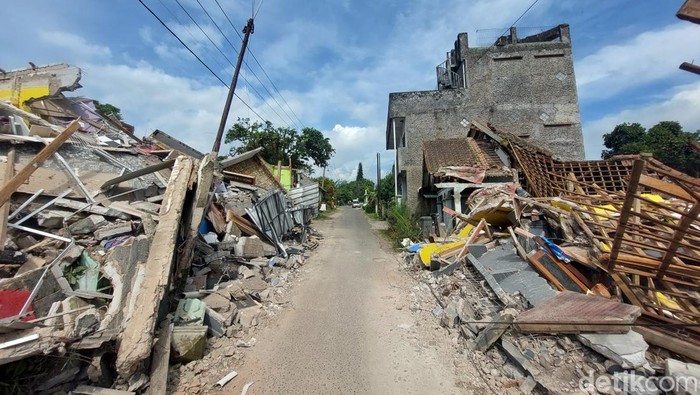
106, 239
525, 85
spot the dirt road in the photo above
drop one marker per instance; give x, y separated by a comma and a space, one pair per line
350, 328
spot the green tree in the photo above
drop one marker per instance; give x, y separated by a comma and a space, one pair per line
386, 187
666, 141
327, 188
107, 110
360, 176
281, 144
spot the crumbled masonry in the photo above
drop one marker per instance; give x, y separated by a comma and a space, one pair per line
114, 245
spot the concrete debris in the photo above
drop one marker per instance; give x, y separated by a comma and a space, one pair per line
131, 251
87, 225
685, 375
111, 231
189, 342
628, 349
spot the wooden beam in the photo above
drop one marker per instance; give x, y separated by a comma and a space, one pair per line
5, 210
626, 209
678, 236
11, 186
692, 68
690, 11
664, 187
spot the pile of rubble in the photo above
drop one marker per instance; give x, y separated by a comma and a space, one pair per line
568, 275
120, 255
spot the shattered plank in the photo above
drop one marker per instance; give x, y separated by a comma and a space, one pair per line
137, 339
5, 210
11, 186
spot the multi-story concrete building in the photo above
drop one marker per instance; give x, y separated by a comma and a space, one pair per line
525, 86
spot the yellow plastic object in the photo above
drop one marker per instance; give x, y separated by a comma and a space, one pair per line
667, 302
654, 198
605, 211
464, 233
427, 252
560, 205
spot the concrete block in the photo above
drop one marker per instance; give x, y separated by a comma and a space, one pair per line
218, 255
108, 232
215, 322
493, 332
52, 219
685, 375
628, 349
86, 323
87, 225
188, 342
249, 247
248, 317
190, 312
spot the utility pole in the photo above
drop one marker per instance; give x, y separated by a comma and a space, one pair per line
379, 180
248, 30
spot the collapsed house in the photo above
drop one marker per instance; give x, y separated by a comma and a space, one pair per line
524, 84
608, 250
120, 254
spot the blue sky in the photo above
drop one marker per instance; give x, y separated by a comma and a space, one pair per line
335, 62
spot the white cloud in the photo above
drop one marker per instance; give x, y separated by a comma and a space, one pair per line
75, 45
356, 144
679, 105
648, 57
153, 99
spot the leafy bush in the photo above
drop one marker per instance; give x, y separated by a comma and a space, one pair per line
402, 224
369, 208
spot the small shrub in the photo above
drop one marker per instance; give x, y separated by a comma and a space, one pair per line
402, 224
369, 208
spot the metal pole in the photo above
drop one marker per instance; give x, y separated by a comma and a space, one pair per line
379, 180
248, 30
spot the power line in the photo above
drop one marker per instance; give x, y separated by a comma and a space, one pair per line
256, 61
250, 86
507, 29
197, 57
249, 68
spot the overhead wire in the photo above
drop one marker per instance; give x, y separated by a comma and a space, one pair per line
249, 68
250, 86
197, 57
257, 62
508, 28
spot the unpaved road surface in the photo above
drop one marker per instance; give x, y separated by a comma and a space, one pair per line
351, 328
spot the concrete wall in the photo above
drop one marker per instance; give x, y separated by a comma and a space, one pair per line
18, 86
528, 89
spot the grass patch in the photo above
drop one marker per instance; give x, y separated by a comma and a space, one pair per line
402, 224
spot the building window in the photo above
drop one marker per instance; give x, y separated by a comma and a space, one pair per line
398, 125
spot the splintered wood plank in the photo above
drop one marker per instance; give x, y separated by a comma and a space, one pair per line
11, 186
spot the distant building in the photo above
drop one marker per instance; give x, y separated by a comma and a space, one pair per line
525, 86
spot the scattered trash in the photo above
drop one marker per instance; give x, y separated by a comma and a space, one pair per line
224, 380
